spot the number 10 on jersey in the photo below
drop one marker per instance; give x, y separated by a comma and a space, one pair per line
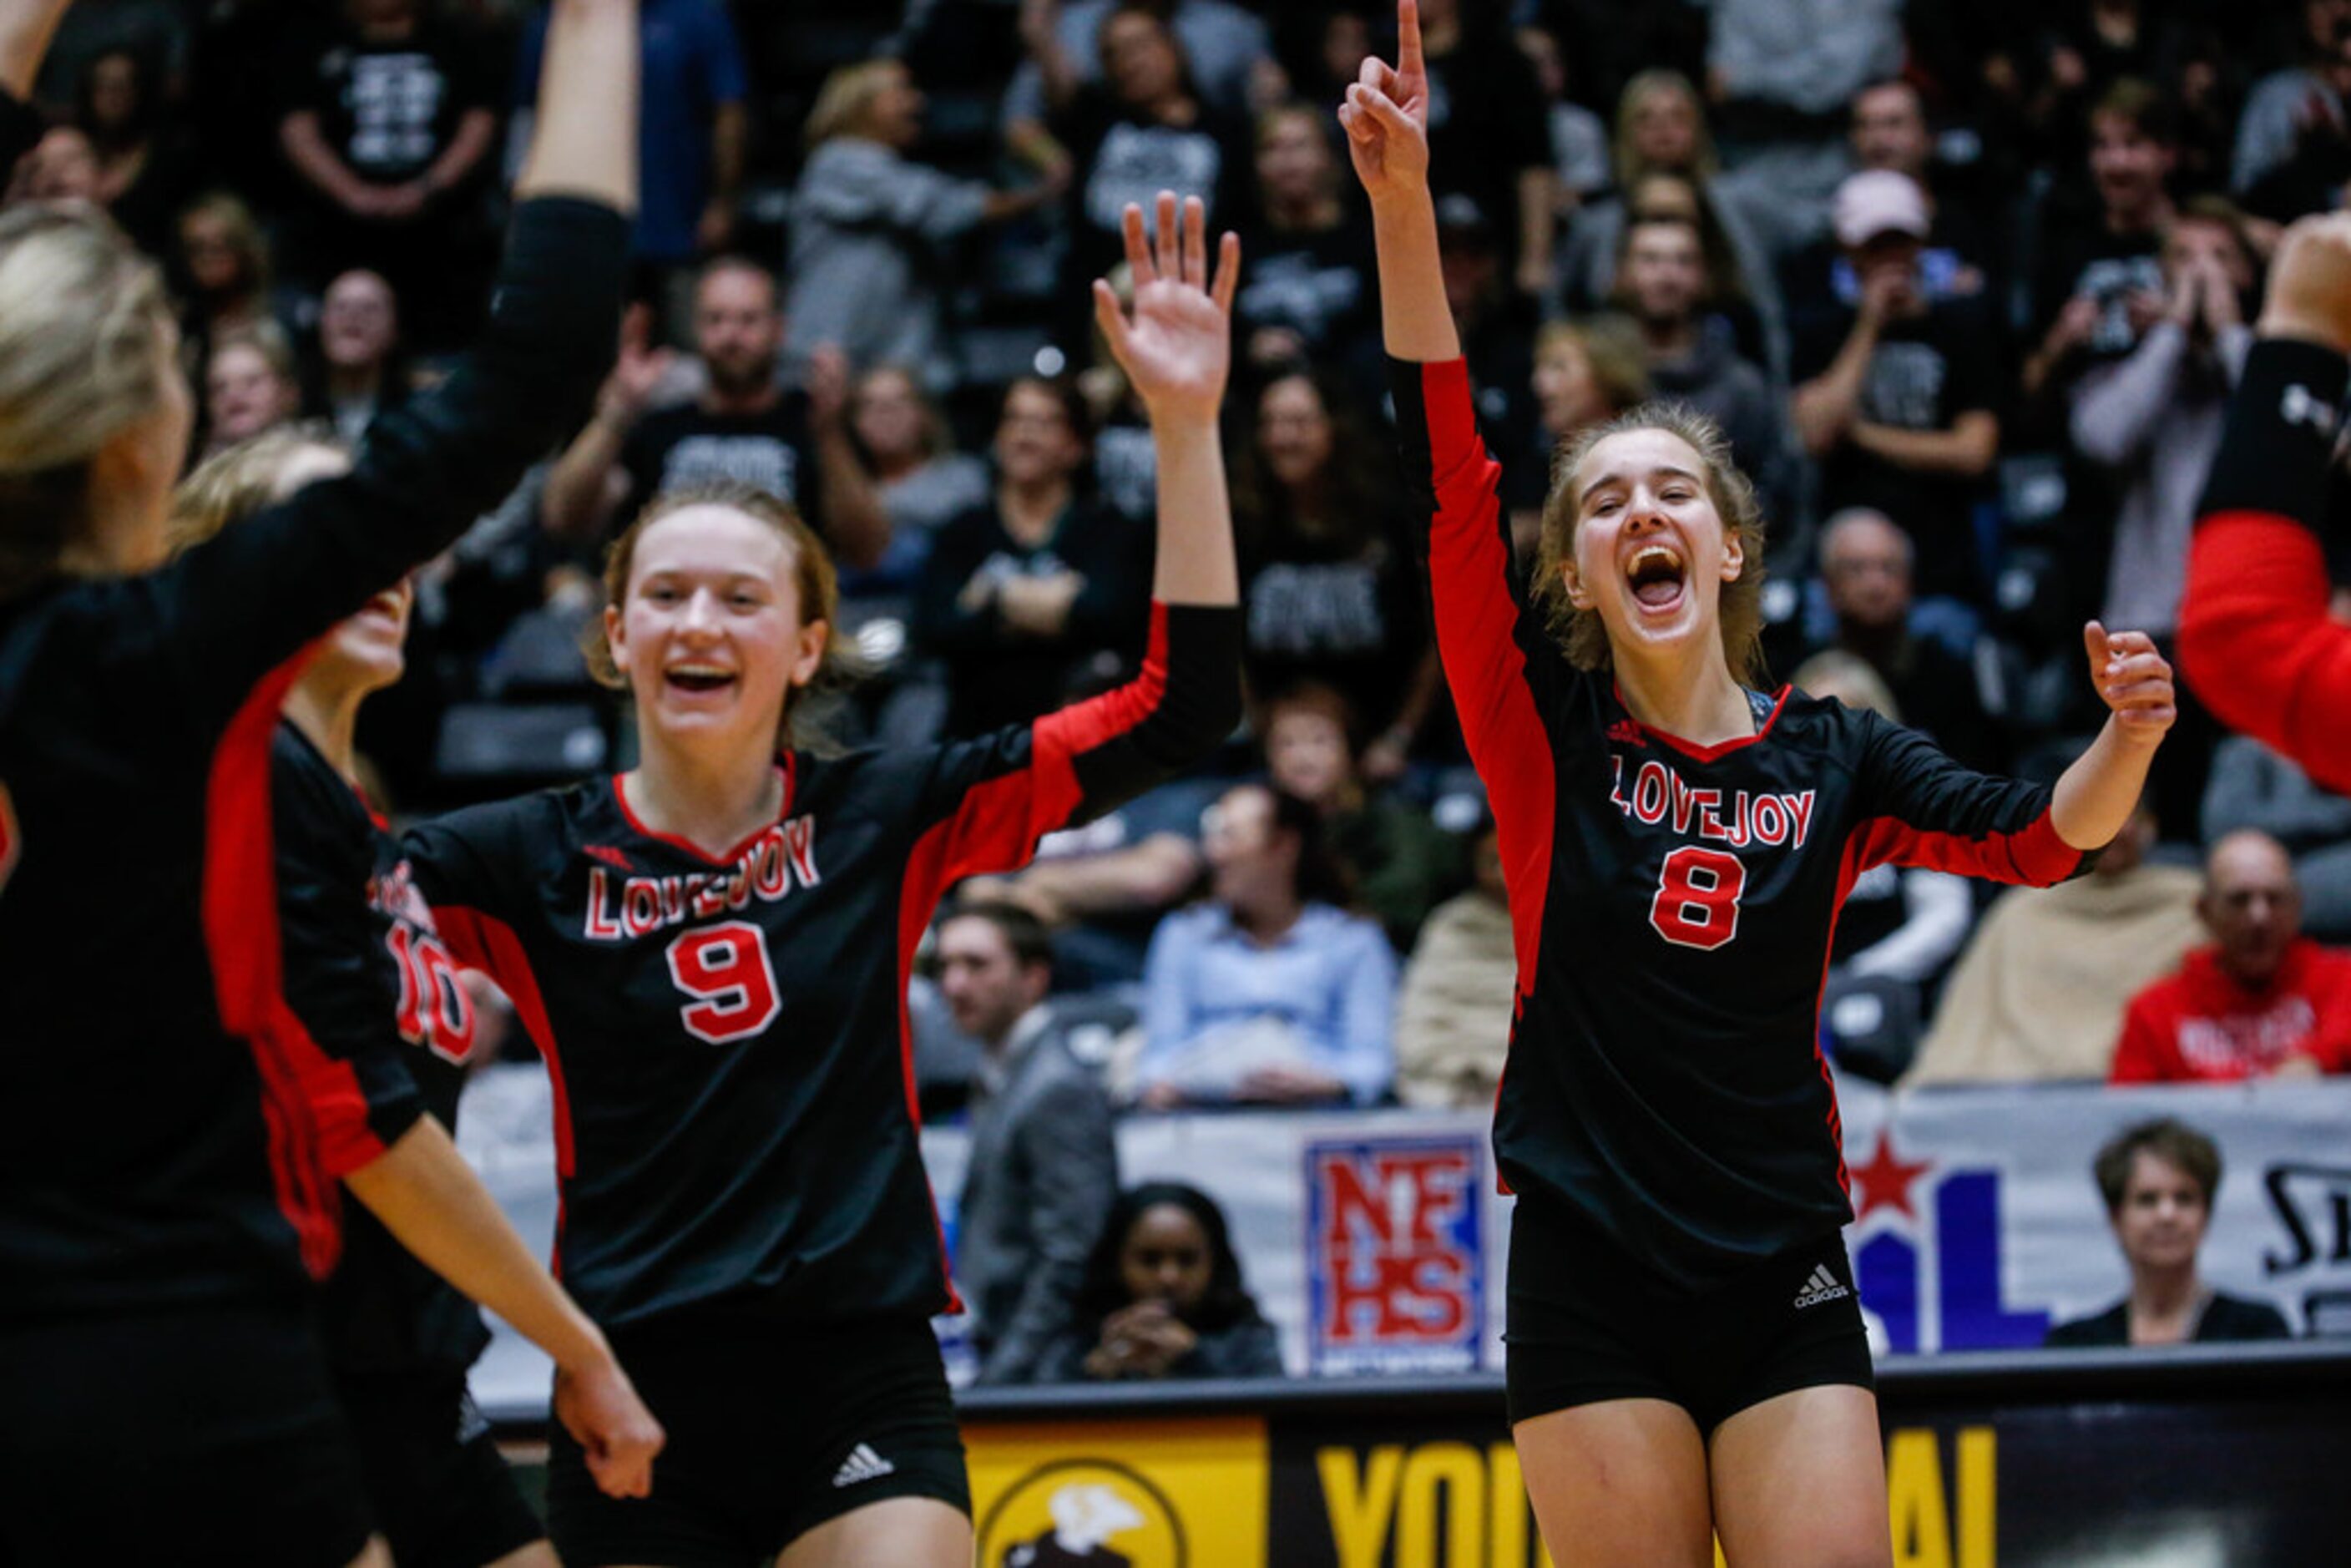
1698, 898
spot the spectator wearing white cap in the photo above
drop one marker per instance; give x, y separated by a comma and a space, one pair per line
1894, 393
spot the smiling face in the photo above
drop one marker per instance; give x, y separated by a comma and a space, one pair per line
1650, 550
894, 117
244, 393
2161, 1219
709, 635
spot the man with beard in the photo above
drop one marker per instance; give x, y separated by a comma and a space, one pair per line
1661, 283
744, 426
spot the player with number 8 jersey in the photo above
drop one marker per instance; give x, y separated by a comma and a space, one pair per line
1687, 1360
712, 953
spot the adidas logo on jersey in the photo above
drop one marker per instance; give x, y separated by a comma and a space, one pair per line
1820, 1287
863, 1465
1626, 732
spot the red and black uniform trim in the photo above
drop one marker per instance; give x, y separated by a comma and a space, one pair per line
1673, 906
2256, 640
176, 1128
735, 1111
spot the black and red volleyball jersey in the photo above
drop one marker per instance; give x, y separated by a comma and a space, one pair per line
175, 1132
736, 1123
1673, 906
368, 976
2258, 638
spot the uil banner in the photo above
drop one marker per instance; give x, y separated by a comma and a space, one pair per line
1375, 1242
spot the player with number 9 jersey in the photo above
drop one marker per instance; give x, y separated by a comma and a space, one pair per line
1686, 1359
712, 952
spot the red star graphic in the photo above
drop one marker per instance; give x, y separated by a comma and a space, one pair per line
1886, 1180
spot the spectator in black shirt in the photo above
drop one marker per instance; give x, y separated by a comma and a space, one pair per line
1895, 396
2100, 282
1866, 566
390, 117
1328, 590
2159, 1179
1143, 129
223, 274
1023, 588
1164, 1298
743, 426
1308, 293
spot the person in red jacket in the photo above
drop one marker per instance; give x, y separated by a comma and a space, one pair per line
2255, 639
2262, 1000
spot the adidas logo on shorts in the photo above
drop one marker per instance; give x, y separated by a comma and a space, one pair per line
1820, 1287
863, 1465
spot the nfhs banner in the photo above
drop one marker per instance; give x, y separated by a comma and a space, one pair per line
1372, 1240
1376, 1241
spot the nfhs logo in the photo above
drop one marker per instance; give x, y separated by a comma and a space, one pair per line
1396, 1264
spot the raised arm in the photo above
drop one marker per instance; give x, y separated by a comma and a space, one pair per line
1386, 119
251, 598
1175, 349
25, 28
2255, 638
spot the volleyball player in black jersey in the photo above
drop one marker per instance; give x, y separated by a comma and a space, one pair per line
174, 1131
1685, 1354
365, 969
712, 953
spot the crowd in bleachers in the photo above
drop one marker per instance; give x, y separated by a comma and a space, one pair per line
1965, 285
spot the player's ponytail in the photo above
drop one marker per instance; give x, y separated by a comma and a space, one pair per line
812, 575
1741, 607
84, 351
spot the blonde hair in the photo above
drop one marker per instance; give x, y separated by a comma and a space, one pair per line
1740, 610
232, 485
812, 574
1611, 345
83, 327
265, 338
1848, 678
244, 233
846, 101
1638, 90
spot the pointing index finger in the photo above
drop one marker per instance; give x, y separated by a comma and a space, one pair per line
1408, 60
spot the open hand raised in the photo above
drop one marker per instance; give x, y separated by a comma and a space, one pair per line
1178, 346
